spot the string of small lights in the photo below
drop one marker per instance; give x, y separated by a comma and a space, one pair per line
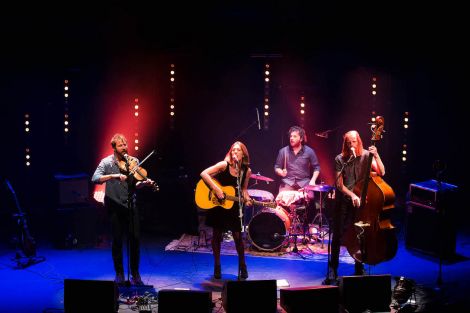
302, 111
27, 131
66, 109
266, 106
172, 96
136, 123
406, 119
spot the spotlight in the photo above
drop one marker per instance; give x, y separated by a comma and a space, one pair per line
403, 291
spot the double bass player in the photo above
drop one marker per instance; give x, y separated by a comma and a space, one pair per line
351, 165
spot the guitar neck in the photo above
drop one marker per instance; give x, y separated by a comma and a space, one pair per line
232, 198
268, 204
261, 203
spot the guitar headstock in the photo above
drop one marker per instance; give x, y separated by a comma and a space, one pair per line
377, 128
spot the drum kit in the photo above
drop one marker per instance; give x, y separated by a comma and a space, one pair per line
320, 217
270, 228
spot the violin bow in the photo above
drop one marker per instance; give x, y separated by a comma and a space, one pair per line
145, 159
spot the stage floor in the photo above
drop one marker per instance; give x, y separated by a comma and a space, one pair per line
40, 287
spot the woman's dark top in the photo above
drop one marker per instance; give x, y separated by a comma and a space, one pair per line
226, 219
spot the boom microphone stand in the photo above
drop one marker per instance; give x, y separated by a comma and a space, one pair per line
244, 131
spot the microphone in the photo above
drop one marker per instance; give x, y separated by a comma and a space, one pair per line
353, 151
277, 236
257, 115
234, 158
126, 157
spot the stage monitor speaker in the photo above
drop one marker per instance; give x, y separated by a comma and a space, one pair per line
196, 301
361, 293
90, 296
248, 296
310, 299
427, 230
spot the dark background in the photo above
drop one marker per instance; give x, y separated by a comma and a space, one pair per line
326, 52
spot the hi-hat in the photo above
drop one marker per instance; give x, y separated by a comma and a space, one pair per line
321, 188
259, 177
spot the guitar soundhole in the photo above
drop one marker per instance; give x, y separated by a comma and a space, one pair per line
216, 201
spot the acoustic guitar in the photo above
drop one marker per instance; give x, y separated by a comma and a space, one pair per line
207, 199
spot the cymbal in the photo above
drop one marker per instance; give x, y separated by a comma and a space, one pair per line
259, 177
320, 188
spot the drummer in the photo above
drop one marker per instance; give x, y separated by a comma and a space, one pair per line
297, 163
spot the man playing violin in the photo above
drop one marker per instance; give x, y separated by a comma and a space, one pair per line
121, 205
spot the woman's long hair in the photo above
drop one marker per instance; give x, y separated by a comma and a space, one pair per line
246, 155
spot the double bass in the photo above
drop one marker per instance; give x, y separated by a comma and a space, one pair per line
371, 239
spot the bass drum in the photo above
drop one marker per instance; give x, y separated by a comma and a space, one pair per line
268, 229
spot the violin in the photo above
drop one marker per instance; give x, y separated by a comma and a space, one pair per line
133, 169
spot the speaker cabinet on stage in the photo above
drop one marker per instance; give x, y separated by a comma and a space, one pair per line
73, 189
323, 299
90, 296
430, 219
361, 293
428, 230
184, 301
432, 193
258, 296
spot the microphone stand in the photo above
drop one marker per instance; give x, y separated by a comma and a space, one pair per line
327, 280
440, 210
256, 122
240, 200
131, 206
130, 230
245, 130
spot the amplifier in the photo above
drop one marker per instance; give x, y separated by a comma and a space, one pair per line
431, 231
430, 192
73, 189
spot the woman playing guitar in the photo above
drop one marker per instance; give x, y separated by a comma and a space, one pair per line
232, 171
